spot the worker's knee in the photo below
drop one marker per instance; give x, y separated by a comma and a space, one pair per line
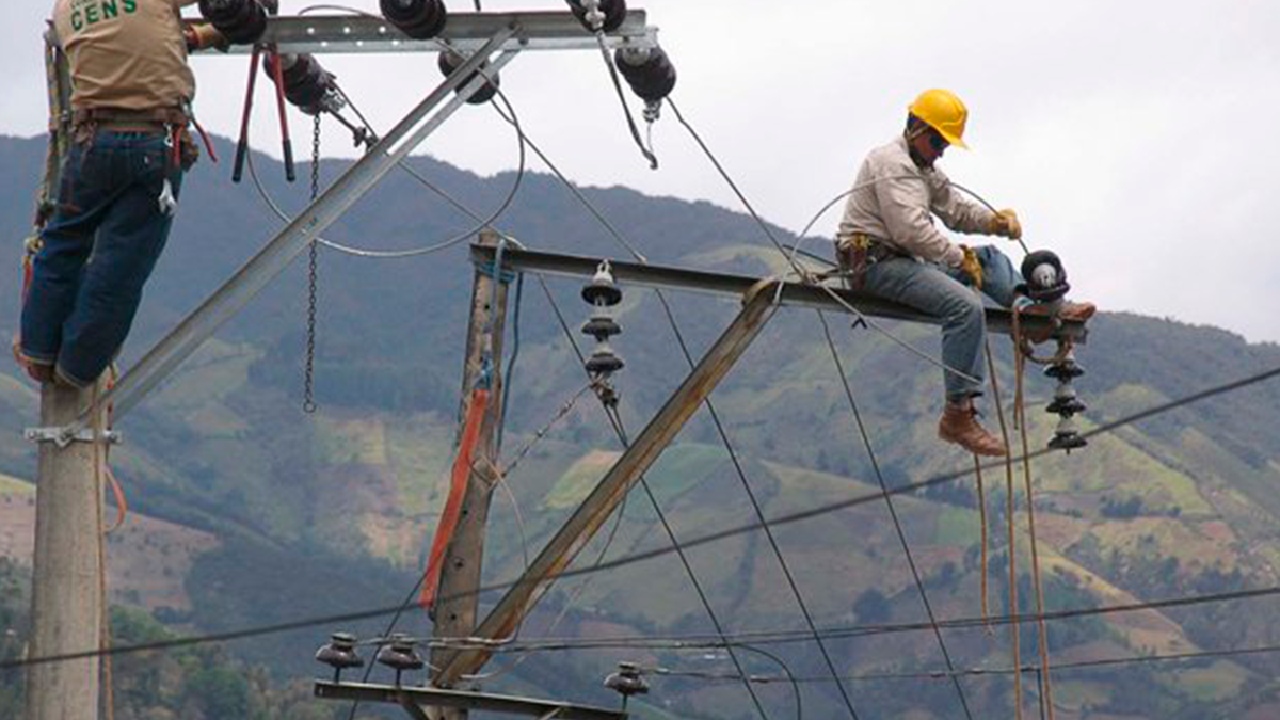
963, 308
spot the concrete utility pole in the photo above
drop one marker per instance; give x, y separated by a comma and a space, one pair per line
66, 604
457, 605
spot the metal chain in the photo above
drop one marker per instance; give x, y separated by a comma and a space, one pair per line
309, 371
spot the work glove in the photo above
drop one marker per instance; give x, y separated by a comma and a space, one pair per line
200, 37
970, 266
1005, 224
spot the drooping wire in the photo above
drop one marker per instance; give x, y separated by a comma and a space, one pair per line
1112, 426
737, 464
647, 152
616, 421
759, 513
893, 512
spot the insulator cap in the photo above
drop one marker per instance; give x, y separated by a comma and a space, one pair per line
1045, 276
604, 361
340, 653
602, 290
601, 327
650, 74
306, 83
450, 61
1067, 441
1066, 407
1064, 371
400, 654
241, 22
627, 681
615, 11
419, 19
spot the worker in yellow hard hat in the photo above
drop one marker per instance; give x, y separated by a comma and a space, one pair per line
889, 246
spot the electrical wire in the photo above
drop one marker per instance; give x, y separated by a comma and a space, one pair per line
893, 512
794, 517
622, 98
616, 421
941, 674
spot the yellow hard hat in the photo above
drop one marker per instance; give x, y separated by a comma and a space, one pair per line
943, 111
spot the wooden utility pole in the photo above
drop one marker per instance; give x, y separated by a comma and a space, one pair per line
66, 600
457, 601
578, 530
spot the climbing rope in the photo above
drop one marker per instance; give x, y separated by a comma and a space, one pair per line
1020, 419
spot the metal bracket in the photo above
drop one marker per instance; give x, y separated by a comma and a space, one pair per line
57, 436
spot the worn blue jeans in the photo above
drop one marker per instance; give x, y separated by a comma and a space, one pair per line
946, 294
98, 250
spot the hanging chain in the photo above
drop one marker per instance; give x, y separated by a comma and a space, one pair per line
309, 371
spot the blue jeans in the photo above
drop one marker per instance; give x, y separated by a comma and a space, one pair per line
946, 294
98, 250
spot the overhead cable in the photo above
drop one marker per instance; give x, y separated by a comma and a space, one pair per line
893, 511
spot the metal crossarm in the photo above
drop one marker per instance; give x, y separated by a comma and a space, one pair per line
673, 278
417, 697
465, 32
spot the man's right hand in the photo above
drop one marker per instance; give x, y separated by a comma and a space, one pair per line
970, 266
203, 36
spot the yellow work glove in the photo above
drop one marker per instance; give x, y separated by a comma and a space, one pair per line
970, 266
203, 36
1005, 224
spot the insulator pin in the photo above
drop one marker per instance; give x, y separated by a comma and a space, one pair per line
419, 19
604, 361
649, 72
601, 327
1065, 404
614, 12
307, 85
241, 22
1046, 277
340, 654
602, 290
450, 61
400, 655
627, 681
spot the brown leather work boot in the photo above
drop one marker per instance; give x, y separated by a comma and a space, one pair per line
959, 425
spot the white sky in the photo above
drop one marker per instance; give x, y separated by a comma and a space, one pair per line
1136, 138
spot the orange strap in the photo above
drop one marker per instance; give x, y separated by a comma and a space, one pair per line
457, 489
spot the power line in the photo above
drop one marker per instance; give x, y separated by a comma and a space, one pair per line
893, 512
971, 672
781, 520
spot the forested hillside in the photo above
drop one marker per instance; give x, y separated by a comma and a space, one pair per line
310, 515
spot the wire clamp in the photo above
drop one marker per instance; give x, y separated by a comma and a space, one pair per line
59, 437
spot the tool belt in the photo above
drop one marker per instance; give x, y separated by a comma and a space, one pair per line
856, 252
87, 121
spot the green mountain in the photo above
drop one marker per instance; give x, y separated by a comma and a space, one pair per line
330, 513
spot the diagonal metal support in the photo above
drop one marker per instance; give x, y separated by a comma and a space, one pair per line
272, 260
609, 493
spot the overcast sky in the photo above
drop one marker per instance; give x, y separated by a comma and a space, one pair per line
1137, 138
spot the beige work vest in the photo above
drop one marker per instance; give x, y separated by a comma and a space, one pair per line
125, 54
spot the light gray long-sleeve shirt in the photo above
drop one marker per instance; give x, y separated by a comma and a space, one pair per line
894, 201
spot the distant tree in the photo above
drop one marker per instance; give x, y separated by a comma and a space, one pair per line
872, 607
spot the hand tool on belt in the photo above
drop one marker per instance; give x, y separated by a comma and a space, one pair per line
856, 252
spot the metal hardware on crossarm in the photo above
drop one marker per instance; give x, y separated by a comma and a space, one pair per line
309, 372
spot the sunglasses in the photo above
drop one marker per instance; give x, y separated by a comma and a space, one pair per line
936, 141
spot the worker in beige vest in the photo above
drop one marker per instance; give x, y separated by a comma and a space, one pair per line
889, 246
121, 178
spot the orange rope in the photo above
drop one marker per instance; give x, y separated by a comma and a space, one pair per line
982, 520
457, 491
